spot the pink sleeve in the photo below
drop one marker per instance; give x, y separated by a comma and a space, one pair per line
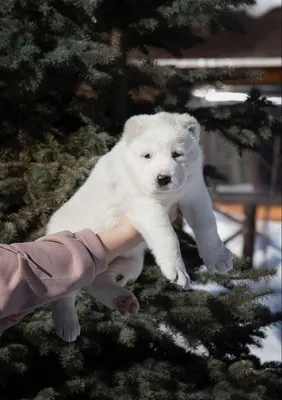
35, 273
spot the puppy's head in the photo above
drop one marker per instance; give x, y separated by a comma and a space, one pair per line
162, 150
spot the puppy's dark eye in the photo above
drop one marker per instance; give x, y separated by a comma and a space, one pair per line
119, 278
175, 154
192, 129
147, 155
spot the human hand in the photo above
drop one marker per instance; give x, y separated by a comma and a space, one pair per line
125, 221
173, 213
125, 237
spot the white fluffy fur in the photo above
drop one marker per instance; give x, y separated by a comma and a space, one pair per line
125, 182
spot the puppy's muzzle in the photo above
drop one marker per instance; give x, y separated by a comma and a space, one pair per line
163, 180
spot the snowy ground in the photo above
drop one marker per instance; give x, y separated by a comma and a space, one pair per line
271, 349
262, 7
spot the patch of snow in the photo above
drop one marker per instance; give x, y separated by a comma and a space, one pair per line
262, 7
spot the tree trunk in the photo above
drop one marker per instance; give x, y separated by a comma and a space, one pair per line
119, 115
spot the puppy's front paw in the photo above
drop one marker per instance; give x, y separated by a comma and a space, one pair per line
219, 261
127, 304
179, 276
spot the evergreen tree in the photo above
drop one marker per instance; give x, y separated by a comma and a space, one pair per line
68, 82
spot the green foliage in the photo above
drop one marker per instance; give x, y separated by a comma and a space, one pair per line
69, 79
42, 176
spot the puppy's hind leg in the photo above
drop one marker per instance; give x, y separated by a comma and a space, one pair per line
108, 286
65, 318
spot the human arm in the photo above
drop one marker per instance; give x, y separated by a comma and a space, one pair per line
119, 240
35, 273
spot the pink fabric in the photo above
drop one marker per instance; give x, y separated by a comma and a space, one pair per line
36, 273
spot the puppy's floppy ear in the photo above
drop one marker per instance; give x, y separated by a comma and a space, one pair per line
134, 126
190, 124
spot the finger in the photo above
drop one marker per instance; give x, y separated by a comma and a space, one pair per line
173, 213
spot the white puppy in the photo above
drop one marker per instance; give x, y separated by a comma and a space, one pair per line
157, 162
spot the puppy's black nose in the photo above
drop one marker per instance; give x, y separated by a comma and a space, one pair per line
163, 180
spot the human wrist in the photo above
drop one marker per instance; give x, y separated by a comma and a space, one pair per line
129, 231
119, 240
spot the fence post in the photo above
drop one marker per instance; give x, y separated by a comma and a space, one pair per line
249, 232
